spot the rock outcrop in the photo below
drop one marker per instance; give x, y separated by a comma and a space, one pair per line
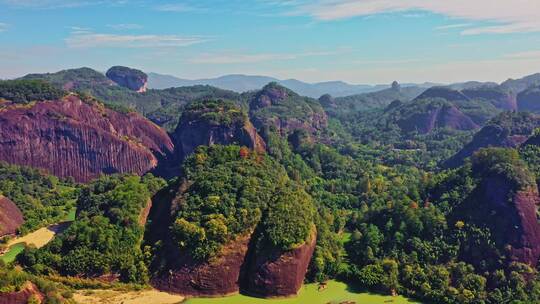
437, 116
219, 276
512, 217
444, 93
508, 130
215, 122
529, 100
526, 241
80, 139
132, 79
238, 267
11, 218
23, 296
500, 98
273, 273
285, 111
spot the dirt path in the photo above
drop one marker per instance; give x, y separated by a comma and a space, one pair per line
40, 237
123, 297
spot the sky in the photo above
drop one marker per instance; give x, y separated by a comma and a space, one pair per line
357, 41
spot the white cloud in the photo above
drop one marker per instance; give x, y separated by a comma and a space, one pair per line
52, 4
509, 15
524, 55
174, 7
452, 26
125, 26
93, 40
235, 58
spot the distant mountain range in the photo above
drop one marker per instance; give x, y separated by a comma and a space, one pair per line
243, 83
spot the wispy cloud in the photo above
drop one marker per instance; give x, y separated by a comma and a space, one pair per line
53, 4
235, 58
509, 16
3, 27
524, 55
125, 26
452, 26
174, 7
82, 39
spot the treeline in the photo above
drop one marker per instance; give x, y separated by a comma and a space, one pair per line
106, 237
43, 199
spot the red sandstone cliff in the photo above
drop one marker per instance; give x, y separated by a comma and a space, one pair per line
526, 244
219, 276
70, 137
22, 297
193, 133
11, 217
274, 273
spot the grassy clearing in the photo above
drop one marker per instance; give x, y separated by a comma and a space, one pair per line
336, 292
12, 253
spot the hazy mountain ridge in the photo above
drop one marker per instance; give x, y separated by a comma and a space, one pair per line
243, 83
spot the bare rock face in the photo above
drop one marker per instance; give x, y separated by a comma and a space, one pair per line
445, 116
22, 297
219, 276
80, 139
282, 109
279, 274
499, 98
529, 100
215, 123
442, 92
526, 247
514, 218
508, 130
132, 79
11, 218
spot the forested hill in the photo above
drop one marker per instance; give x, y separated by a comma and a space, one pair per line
430, 194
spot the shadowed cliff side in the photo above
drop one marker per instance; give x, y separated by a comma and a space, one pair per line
276, 273
11, 218
232, 202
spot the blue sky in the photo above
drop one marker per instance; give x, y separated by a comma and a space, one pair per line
358, 41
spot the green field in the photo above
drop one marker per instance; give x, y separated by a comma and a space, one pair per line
71, 215
12, 253
336, 292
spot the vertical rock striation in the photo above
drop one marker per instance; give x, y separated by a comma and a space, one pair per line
11, 218
73, 138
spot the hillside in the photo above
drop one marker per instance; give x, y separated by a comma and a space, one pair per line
283, 110
163, 107
508, 130
253, 231
529, 100
76, 136
214, 122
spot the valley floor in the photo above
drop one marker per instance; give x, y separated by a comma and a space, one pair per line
123, 297
336, 292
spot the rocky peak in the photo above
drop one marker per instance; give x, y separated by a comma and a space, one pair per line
215, 122
132, 79
444, 93
327, 101
435, 114
508, 130
529, 100
500, 98
271, 94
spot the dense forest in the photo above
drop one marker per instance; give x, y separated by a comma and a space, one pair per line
431, 194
